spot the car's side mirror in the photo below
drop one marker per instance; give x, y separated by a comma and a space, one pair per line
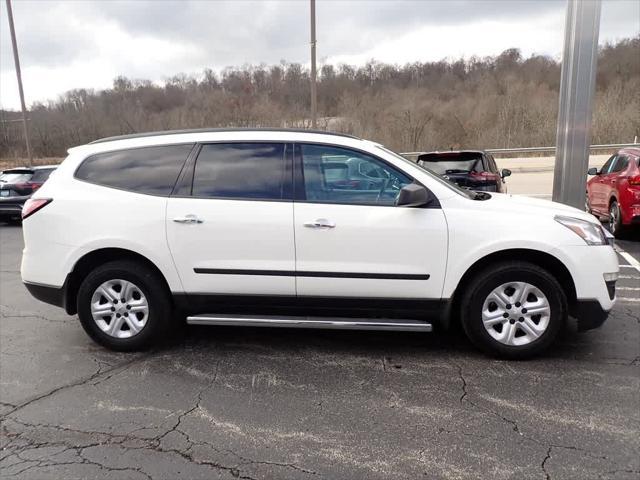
414, 195
593, 171
505, 173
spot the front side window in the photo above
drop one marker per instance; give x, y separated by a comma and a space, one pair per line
340, 175
149, 170
250, 171
607, 166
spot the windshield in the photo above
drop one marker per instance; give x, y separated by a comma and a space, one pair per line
452, 186
444, 167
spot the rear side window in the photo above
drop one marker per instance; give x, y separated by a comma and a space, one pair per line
621, 164
250, 171
150, 170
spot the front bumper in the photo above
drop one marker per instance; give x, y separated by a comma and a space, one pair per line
589, 314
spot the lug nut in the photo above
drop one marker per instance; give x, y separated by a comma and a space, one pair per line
524, 310
512, 321
521, 319
508, 306
118, 315
113, 309
505, 315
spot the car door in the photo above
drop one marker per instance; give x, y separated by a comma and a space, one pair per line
229, 221
622, 162
597, 187
352, 241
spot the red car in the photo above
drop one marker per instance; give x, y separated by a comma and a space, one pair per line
614, 191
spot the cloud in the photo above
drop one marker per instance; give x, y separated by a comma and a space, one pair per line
85, 44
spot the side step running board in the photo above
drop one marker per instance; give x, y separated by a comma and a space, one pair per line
310, 322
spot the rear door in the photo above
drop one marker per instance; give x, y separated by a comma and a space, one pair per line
610, 180
351, 241
230, 220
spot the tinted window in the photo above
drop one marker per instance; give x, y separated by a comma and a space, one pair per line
620, 164
151, 170
40, 175
605, 168
242, 170
339, 175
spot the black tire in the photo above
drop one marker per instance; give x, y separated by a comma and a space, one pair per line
152, 287
484, 282
615, 220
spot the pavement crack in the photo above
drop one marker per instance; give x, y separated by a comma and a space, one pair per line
547, 476
464, 384
81, 381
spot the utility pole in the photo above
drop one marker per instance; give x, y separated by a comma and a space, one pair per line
16, 60
577, 86
314, 101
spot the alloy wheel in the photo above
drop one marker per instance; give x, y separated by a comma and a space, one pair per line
614, 213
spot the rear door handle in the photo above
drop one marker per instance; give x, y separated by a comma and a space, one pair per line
320, 223
187, 219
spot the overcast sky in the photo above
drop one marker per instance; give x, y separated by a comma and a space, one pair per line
85, 44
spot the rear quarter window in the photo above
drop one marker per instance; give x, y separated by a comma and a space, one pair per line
149, 170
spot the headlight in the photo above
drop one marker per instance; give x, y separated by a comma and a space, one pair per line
591, 233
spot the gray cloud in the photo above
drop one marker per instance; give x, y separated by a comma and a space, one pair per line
56, 35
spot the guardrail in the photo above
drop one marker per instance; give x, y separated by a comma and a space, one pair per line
613, 146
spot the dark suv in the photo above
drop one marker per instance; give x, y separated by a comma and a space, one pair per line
472, 169
17, 185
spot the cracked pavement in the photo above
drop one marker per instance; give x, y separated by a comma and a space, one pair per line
248, 403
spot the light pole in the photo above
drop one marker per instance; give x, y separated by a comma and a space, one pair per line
16, 60
314, 104
577, 86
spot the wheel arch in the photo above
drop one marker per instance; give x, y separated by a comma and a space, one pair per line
543, 259
95, 258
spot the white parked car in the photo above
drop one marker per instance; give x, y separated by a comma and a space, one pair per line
303, 229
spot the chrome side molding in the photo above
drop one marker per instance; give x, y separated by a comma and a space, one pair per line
400, 325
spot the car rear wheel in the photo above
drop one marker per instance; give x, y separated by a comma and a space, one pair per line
123, 305
615, 220
513, 310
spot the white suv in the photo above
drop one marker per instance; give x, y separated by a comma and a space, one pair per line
303, 229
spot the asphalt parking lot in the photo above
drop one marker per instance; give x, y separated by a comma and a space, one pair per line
295, 404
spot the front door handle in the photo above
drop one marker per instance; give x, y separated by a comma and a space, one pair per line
320, 223
187, 219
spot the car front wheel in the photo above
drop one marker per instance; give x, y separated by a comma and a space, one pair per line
123, 306
513, 310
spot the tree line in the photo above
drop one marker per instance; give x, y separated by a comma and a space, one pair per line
492, 102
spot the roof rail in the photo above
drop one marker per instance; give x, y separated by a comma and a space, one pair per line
216, 130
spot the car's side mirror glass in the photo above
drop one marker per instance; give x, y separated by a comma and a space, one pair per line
592, 171
414, 195
505, 173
